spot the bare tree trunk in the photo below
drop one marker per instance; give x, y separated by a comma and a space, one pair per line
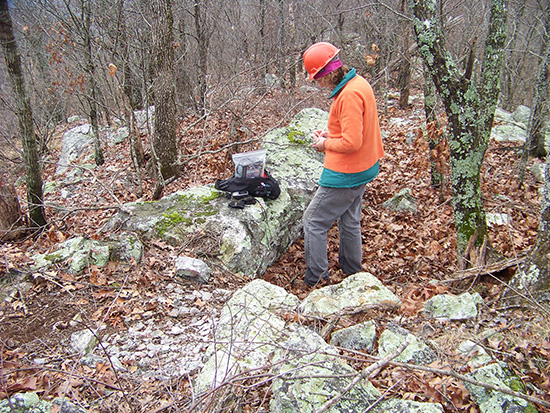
294, 60
282, 48
535, 144
470, 110
405, 65
130, 82
510, 61
130, 86
54, 110
263, 55
203, 41
12, 58
164, 90
432, 126
92, 86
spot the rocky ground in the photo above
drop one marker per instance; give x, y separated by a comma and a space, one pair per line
153, 327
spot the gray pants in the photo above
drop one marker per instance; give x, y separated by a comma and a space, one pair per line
327, 206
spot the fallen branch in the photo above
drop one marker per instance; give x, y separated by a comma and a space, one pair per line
489, 269
472, 381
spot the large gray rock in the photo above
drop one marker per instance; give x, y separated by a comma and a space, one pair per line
416, 352
309, 372
245, 241
490, 401
358, 290
252, 334
357, 337
79, 253
453, 307
76, 142
407, 406
512, 127
248, 330
31, 403
290, 157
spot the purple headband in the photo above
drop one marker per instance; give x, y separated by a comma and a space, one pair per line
329, 67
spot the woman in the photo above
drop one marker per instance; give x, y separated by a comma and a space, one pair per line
353, 147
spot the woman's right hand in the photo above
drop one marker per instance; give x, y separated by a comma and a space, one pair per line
320, 133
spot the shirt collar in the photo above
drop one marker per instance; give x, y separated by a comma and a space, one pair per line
350, 75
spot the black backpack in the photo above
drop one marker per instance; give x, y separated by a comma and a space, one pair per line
265, 187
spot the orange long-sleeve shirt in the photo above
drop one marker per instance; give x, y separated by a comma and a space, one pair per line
355, 142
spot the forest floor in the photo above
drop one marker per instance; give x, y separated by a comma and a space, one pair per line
412, 254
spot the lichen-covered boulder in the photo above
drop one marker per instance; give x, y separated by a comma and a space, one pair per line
252, 336
309, 372
416, 352
31, 403
75, 142
291, 159
357, 337
407, 406
490, 401
512, 127
403, 201
248, 330
358, 290
245, 240
453, 307
79, 253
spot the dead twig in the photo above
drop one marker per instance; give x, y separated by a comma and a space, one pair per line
488, 269
467, 379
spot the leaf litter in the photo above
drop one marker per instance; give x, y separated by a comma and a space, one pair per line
412, 254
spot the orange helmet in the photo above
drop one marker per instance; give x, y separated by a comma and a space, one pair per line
317, 56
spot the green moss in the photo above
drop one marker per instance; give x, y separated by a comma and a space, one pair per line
170, 220
53, 258
204, 199
297, 136
531, 409
208, 211
516, 385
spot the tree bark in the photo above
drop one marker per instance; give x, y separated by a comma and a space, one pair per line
263, 54
470, 110
164, 139
282, 48
92, 86
432, 125
404, 79
203, 43
12, 58
536, 139
131, 83
292, 42
131, 91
